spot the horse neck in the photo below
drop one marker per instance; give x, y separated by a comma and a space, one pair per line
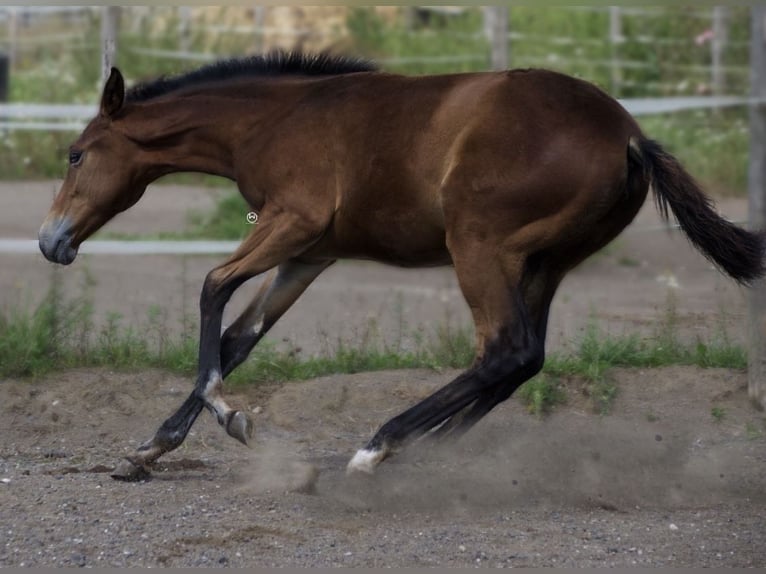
189, 135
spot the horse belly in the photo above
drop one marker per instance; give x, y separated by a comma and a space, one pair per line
407, 238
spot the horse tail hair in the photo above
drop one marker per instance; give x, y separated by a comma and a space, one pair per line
736, 251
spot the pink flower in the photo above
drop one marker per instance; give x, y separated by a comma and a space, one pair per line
705, 36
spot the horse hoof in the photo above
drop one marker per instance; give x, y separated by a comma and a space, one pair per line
365, 461
240, 427
129, 471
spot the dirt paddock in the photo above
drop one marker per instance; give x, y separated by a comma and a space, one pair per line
658, 481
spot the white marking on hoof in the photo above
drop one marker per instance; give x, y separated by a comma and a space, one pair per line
365, 461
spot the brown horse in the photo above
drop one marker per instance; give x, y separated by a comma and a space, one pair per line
511, 177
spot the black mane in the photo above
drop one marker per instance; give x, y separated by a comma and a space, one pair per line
273, 64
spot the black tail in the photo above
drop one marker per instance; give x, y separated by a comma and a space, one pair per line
738, 252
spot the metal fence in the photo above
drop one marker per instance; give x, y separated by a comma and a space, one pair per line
708, 55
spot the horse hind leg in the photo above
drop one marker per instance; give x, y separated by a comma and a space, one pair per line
277, 293
538, 289
508, 349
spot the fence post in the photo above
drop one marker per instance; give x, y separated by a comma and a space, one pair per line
110, 17
717, 47
184, 28
496, 25
757, 203
615, 38
13, 30
4, 77
259, 21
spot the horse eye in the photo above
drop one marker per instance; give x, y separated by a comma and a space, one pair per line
75, 157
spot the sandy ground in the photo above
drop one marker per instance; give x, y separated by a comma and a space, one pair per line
656, 482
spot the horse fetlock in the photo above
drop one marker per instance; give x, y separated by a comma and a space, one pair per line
164, 441
240, 426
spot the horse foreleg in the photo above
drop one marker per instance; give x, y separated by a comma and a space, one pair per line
273, 299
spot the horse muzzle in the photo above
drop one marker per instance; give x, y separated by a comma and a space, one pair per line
55, 240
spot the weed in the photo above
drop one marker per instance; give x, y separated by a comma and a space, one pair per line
453, 347
752, 431
626, 261
602, 393
718, 413
541, 395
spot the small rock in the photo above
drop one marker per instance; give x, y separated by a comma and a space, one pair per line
673, 526
256, 410
5, 480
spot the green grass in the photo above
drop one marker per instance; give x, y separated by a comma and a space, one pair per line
597, 353
542, 394
61, 333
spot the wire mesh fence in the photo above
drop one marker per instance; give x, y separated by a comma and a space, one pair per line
648, 51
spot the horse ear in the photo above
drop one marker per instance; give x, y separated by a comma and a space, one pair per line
114, 94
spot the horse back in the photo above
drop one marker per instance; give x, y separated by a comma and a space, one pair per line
416, 155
